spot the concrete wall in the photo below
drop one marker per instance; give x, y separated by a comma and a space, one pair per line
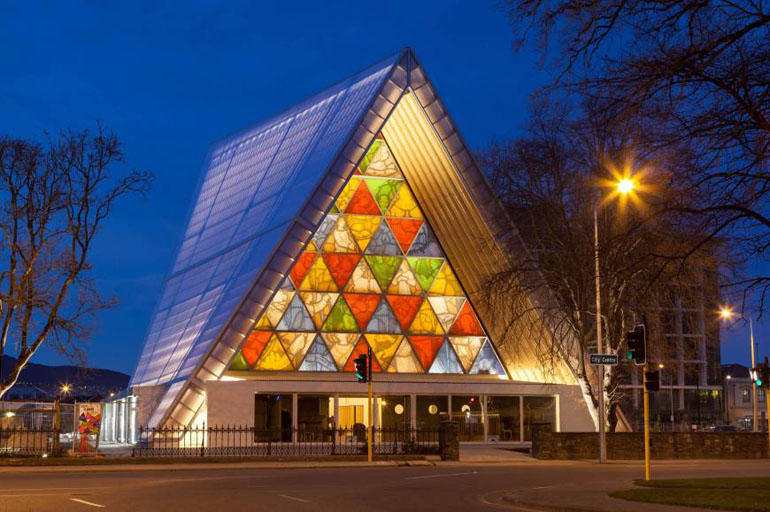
547, 444
232, 402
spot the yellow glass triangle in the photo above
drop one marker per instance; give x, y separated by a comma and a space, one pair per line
445, 283
466, 348
383, 165
340, 345
362, 280
273, 357
404, 205
405, 361
363, 228
446, 309
347, 192
341, 238
296, 345
278, 305
425, 321
263, 324
318, 304
318, 278
404, 282
311, 246
383, 346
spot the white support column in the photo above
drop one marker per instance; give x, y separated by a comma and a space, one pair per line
557, 413
294, 413
484, 418
413, 411
521, 418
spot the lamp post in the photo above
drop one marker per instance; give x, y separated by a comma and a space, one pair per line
623, 187
726, 313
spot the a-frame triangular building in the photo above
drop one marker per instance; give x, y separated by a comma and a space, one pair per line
357, 219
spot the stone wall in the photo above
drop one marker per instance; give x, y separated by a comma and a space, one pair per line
547, 444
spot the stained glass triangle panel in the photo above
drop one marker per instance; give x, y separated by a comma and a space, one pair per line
318, 358
404, 360
383, 242
446, 361
487, 362
383, 320
296, 317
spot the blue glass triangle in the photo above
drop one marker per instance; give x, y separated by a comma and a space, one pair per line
318, 358
425, 243
296, 317
383, 242
287, 284
383, 320
446, 360
487, 362
323, 231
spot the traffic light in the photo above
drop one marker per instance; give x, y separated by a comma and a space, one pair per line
362, 368
762, 378
637, 345
652, 380
755, 377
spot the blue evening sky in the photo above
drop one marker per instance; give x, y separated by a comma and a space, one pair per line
171, 77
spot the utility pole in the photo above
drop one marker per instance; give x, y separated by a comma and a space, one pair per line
599, 344
371, 410
646, 427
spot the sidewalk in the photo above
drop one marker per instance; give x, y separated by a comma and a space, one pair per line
197, 466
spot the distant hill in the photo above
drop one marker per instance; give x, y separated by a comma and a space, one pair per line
43, 381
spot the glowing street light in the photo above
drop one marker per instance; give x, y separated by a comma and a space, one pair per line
726, 313
65, 389
623, 187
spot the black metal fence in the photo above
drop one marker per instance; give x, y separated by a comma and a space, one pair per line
230, 440
23, 441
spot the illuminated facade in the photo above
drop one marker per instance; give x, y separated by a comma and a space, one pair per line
355, 220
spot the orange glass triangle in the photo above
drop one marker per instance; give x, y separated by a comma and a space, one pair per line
253, 346
466, 323
362, 202
404, 230
362, 306
341, 266
426, 348
361, 348
404, 307
301, 267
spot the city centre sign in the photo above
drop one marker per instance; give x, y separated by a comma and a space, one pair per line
609, 359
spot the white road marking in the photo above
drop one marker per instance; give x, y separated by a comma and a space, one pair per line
89, 503
293, 498
439, 476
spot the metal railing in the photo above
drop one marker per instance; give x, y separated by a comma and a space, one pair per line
238, 441
22, 441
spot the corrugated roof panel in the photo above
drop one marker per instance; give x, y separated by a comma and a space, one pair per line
253, 185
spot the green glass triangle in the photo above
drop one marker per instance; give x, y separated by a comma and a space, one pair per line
340, 318
239, 363
383, 268
383, 190
370, 154
425, 269
334, 209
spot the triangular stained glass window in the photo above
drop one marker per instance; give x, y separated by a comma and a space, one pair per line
404, 360
487, 362
296, 317
383, 242
425, 243
383, 320
318, 358
446, 361
372, 275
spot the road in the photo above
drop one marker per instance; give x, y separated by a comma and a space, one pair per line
447, 488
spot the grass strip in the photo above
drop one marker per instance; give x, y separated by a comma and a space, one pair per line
744, 494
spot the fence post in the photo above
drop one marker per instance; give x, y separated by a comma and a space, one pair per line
448, 442
56, 448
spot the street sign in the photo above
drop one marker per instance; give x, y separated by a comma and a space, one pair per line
608, 359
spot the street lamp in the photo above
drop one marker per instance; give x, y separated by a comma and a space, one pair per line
623, 187
727, 314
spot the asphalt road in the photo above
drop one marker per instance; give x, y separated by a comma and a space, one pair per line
445, 488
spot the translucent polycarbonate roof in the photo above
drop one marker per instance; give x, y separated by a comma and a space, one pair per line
253, 185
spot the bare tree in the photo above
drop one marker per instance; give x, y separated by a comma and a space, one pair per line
54, 199
700, 70
551, 181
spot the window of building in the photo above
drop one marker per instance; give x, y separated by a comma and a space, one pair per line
431, 411
761, 395
504, 417
538, 410
466, 411
745, 395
